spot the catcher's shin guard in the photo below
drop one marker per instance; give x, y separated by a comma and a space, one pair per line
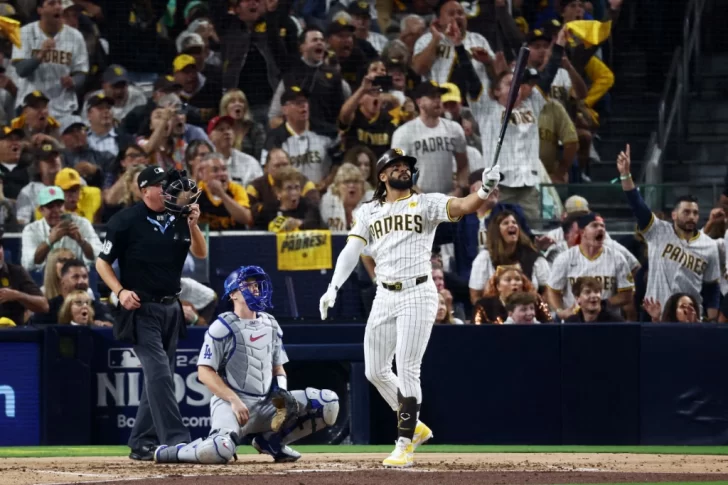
321, 410
169, 454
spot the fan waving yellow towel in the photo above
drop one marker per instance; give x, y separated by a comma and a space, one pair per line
11, 29
590, 32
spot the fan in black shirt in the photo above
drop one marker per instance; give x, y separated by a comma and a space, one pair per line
197, 90
13, 171
588, 291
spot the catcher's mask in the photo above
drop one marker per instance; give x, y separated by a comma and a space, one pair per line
254, 284
180, 192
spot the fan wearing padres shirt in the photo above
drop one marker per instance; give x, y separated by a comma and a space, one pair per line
681, 258
434, 141
363, 122
52, 58
590, 258
399, 226
307, 150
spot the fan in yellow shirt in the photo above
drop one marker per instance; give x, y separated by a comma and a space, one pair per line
80, 199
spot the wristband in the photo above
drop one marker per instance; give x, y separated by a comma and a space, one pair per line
625, 177
282, 382
483, 194
118, 295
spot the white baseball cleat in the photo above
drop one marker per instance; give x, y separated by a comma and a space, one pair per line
403, 455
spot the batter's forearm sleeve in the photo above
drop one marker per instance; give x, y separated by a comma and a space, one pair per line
711, 292
26, 67
347, 261
639, 208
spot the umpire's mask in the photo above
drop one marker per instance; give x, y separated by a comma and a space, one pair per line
180, 192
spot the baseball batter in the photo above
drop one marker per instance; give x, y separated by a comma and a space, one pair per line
52, 59
591, 257
434, 141
399, 228
241, 362
681, 258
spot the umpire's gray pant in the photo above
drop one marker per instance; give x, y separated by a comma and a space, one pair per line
158, 420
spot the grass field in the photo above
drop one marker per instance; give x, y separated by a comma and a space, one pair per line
58, 451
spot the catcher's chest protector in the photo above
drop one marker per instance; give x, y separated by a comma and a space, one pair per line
249, 368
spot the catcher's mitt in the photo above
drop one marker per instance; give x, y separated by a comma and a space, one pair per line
286, 410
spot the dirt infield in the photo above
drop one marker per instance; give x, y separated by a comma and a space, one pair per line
357, 469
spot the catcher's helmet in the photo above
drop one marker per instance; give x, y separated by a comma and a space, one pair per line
396, 155
239, 279
180, 192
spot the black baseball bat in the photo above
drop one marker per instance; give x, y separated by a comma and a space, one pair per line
518, 72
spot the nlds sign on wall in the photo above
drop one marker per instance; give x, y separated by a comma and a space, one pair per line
119, 385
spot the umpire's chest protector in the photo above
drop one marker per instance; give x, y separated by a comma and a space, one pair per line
249, 365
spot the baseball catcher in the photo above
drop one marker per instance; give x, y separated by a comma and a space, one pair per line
241, 362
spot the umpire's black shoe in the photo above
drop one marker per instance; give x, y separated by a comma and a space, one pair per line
145, 453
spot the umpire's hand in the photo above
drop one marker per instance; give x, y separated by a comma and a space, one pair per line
129, 299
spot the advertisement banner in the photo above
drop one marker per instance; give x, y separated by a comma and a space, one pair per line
19, 394
304, 250
118, 388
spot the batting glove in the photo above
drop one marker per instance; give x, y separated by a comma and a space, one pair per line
491, 178
327, 301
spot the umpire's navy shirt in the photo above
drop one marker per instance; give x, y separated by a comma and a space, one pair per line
151, 248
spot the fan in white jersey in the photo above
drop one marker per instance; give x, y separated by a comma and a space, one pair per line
307, 149
434, 141
567, 236
435, 52
590, 258
519, 157
241, 363
681, 258
52, 59
344, 196
399, 227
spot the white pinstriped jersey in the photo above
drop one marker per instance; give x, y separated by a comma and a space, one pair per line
333, 212
444, 64
308, 151
400, 234
519, 154
482, 271
434, 149
558, 236
561, 87
69, 57
609, 267
677, 265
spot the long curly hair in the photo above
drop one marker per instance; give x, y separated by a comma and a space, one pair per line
496, 245
491, 289
669, 314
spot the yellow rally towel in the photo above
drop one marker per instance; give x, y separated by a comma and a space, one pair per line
11, 29
591, 32
304, 250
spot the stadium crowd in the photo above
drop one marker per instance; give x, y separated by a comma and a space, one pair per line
280, 109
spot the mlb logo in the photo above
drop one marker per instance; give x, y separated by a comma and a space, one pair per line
123, 359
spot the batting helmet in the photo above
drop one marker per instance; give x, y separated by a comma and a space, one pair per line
396, 155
